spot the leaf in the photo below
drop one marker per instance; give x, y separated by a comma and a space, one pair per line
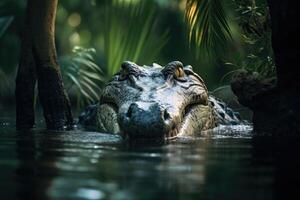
92, 83
90, 89
207, 25
82, 72
130, 34
91, 75
87, 63
76, 82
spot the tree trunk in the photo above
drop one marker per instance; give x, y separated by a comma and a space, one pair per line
285, 42
38, 42
276, 109
26, 77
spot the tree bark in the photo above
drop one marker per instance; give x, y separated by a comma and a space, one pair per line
276, 109
38, 42
26, 77
285, 42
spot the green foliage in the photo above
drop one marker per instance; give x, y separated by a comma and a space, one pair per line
130, 34
209, 31
254, 21
137, 30
207, 26
82, 75
252, 18
259, 63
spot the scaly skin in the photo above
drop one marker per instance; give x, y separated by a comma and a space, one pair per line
156, 102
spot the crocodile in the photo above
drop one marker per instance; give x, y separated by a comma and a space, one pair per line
156, 102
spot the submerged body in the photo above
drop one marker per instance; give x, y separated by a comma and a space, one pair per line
156, 102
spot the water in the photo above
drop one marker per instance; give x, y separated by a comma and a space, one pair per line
89, 165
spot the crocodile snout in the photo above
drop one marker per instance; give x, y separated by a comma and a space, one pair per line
145, 120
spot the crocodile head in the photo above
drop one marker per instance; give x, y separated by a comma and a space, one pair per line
154, 102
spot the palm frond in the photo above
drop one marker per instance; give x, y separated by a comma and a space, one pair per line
82, 75
208, 28
130, 34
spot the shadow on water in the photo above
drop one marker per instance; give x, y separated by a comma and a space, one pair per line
281, 154
36, 167
89, 165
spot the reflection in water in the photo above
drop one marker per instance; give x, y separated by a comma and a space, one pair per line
36, 164
281, 154
87, 165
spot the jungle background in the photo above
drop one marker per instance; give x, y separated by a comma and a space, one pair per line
93, 37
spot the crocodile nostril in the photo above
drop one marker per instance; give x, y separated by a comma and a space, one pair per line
166, 115
145, 119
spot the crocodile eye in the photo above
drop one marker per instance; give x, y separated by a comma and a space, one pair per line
179, 73
123, 74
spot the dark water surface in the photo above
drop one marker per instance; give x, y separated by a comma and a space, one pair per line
89, 165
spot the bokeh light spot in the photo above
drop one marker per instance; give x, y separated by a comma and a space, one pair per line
74, 20
74, 39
